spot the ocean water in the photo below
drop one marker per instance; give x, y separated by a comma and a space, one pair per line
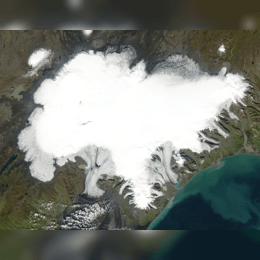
222, 197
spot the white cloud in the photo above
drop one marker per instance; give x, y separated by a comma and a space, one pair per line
97, 101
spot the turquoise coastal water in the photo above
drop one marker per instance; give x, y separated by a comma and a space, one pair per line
177, 186
225, 196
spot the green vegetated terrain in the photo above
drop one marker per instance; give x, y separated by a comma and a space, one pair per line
26, 203
135, 218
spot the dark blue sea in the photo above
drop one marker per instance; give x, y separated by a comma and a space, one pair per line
222, 197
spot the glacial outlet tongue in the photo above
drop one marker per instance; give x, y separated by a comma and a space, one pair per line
115, 117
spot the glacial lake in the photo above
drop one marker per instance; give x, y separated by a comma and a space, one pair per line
221, 197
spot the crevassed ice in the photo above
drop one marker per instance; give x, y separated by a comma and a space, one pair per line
96, 99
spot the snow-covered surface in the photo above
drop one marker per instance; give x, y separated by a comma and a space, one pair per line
87, 32
96, 100
222, 48
38, 57
37, 60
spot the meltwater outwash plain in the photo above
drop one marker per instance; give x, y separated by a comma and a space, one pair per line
101, 129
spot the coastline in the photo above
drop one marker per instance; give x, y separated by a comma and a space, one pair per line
154, 48
216, 168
